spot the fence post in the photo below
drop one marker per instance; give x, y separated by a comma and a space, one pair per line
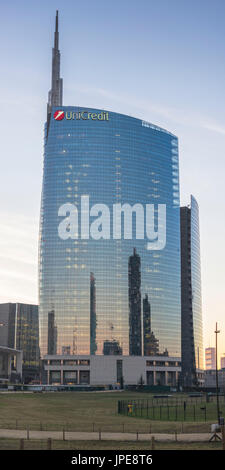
137, 435
49, 444
153, 443
28, 433
176, 435
64, 437
100, 435
21, 444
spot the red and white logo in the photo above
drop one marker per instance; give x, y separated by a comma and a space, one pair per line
59, 115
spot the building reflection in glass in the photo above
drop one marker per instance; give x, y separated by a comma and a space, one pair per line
112, 348
151, 344
134, 278
52, 333
120, 160
93, 320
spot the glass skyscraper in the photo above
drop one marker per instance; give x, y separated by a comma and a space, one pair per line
19, 329
112, 158
191, 299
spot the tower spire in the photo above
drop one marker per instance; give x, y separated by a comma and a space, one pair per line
55, 95
56, 42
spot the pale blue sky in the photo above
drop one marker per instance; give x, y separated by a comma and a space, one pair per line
163, 61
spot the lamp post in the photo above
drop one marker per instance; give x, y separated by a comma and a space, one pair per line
217, 388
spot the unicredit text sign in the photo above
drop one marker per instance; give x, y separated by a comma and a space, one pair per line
59, 115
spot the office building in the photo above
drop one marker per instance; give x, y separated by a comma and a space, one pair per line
10, 365
191, 302
113, 159
210, 358
19, 330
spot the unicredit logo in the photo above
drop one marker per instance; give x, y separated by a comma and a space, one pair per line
81, 115
59, 115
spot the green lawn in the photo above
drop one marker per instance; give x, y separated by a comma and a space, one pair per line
81, 411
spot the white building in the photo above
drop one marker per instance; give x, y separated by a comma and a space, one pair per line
210, 358
109, 370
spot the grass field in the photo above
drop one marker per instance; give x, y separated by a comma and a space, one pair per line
81, 411
14, 444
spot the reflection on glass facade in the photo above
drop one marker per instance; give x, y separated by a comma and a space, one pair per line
52, 333
118, 159
112, 348
134, 276
191, 303
27, 333
196, 284
19, 329
93, 321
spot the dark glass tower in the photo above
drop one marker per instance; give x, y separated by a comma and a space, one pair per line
191, 304
112, 158
20, 330
134, 276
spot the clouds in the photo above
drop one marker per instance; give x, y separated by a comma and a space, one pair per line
146, 109
18, 257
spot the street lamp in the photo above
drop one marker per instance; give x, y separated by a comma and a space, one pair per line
217, 388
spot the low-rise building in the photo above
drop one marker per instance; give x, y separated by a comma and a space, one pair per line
222, 362
10, 357
111, 370
210, 358
210, 379
19, 330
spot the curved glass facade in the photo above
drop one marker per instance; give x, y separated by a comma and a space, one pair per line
196, 284
84, 283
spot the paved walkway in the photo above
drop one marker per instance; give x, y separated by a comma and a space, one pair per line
106, 436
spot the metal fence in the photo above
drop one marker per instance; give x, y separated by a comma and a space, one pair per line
125, 425
181, 410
